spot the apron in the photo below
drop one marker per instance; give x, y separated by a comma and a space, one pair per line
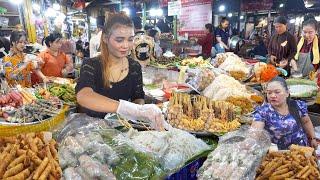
304, 64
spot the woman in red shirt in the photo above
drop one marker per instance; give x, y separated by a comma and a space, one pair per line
206, 42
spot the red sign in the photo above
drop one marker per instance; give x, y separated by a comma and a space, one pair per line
163, 3
194, 15
254, 5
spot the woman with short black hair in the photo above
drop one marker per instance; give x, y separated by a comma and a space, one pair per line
54, 62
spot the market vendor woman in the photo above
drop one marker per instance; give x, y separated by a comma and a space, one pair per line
19, 67
111, 82
308, 47
286, 120
282, 46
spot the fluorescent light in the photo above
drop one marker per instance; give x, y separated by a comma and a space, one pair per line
16, 1
156, 12
56, 6
93, 20
127, 11
241, 17
281, 5
36, 7
229, 14
308, 5
292, 21
159, 12
51, 12
222, 8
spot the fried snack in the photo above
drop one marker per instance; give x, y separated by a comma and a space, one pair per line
40, 168
48, 152
45, 173
53, 149
7, 160
21, 152
34, 157
282, 176
55, 169
22, 175
32, 144
51, 177
295, 164
18, 160
14, 171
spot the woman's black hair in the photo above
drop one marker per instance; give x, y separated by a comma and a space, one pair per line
223, 19
16, 35
152, 32
52, 37
292, 104
310, 20
209, 27
4, 43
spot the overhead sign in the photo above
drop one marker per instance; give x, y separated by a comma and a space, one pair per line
174, 8
194, 15
254, 5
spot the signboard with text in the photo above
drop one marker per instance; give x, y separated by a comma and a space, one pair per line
194, 15
174, 8
254, 5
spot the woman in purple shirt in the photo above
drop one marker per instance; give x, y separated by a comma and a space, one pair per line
286, 120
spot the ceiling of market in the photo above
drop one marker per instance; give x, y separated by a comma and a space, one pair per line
233, 5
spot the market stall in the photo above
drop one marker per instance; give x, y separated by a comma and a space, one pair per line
208, 103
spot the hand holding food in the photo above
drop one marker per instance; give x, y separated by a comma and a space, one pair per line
149, 112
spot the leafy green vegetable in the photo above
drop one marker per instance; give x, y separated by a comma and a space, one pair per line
151, 86
132, 164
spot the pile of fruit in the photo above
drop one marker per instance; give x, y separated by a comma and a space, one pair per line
198, 113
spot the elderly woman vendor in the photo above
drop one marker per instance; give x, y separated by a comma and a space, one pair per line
286, 120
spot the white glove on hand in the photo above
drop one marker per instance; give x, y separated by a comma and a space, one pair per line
149, 112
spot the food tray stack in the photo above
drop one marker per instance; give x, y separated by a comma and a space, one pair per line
11, 129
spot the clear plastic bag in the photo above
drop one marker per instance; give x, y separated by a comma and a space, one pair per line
173, 148
199, 78
89, 148
237, 156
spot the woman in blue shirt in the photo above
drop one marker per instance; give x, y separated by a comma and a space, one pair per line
286, 120
222, 36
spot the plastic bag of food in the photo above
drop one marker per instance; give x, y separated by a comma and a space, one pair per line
200, 78
173, 148
100, 154
237, 156
71, 174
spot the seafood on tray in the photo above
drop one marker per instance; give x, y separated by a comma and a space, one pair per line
201, 114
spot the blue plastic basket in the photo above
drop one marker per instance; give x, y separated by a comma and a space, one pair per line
189, 171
